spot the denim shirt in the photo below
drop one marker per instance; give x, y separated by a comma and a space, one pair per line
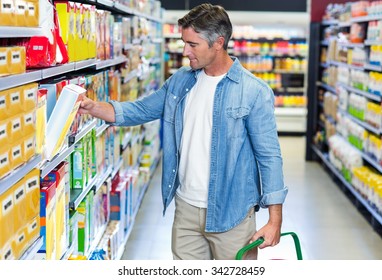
246, 164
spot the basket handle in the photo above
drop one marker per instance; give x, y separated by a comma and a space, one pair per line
242, 251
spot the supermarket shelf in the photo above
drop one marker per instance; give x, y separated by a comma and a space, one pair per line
18, 174
57, 70
326, 86
19, 79
33, 249
361, 123
78, 65
19, 32
126, 140
101, 129
50, 165
373, 42
371, 67
131, 75
101, 64
69, 251
361, 92
73, 139
357, 195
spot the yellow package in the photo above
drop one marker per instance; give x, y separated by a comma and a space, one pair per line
19, 197
20, 12
6, 217
14, 101
5, 162
3, 104
7, 251
21, 244
41, 120
80, 32
16, 128
5, 134
29, 148
17, 60
33, 230
32, 186
29, 122
32, 16
29, 97
17, 156
67, 15
4, 64
7, 13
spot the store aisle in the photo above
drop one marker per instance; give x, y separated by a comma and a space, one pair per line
328, 225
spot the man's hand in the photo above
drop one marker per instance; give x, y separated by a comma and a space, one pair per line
101, 110
272, 230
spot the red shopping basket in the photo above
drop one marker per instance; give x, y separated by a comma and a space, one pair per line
244, 250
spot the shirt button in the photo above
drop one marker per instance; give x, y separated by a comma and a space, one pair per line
169, 186
173, 171
186, 89
174, 97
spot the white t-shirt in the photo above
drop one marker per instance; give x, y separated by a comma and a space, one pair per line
195, 146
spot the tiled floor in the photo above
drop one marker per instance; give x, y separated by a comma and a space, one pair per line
329, 226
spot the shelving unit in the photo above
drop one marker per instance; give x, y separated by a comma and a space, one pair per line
317, 147
7, 82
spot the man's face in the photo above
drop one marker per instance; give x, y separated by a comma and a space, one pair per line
196, 49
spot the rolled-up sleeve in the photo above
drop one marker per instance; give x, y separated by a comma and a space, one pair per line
119, 120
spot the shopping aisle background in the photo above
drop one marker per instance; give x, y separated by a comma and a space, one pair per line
327, 223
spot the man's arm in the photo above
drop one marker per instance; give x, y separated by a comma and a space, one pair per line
272, 230
101, 110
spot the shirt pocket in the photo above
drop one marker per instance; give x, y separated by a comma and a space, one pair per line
235, 117
170, 107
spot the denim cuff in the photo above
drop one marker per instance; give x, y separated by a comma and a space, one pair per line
118, 113
277, 197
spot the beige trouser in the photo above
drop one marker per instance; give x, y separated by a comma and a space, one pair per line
191, 242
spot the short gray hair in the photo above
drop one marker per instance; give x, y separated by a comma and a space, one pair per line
210, 21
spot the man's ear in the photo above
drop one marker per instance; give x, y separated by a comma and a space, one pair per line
219, 43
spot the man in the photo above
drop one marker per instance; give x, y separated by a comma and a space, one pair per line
221, 155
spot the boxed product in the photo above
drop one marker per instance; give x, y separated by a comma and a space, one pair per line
7, 17
7, 251
32, 17
92, 47
54, 89
4, 63
41, 120
66, 11
29, 97
32, 187
73, 230
5, 161
17, 154
57, 175
62, 118
48, 219
20, 242
20, 205
79, 164
33, 230
5, 133
14, 101
83, 227
29, 122
20, 12
16, 132
17, 58
29, 147
7, 217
